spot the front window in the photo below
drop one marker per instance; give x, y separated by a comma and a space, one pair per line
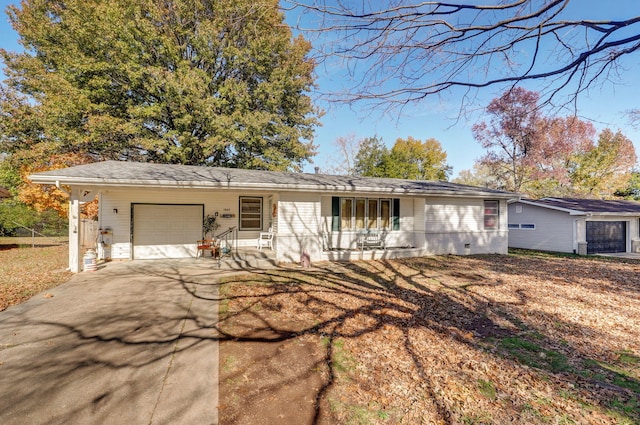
250, 213
346, 213
366, 213
372, 216
491, 215
385, 213
360, 212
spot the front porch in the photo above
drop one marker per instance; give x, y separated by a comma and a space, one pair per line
242, 258
371, 254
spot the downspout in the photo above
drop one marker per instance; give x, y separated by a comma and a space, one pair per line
59, 186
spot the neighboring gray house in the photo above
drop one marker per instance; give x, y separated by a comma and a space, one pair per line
583, 226
152, 211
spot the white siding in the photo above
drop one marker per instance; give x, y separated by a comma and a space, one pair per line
303, 222
456, 226
406, 236
299, 226
554, 230
454, 215
419, 223
223, 202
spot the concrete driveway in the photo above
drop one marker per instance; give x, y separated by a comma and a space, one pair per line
133, 343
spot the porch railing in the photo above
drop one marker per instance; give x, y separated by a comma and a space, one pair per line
230, 239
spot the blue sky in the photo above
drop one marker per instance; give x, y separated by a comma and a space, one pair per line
604, 105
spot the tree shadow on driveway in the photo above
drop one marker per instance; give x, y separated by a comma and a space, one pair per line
127, 344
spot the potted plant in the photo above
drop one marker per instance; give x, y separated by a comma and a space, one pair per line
209, 225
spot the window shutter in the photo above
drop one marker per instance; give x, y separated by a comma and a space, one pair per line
335, 213
396, 214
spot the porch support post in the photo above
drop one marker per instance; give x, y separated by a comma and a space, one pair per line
75, 259
581, 236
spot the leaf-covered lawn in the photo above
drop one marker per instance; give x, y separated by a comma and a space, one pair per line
26, 271
525, 339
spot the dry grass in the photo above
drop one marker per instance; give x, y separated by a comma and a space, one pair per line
27, 271
520, 339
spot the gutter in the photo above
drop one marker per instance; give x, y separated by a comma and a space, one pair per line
220, 185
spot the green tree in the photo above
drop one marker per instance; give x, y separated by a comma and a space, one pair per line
15, 215
480, 175
407, 159
9, 177
416, 160
206, 82
370, 159
632, 191
605, 169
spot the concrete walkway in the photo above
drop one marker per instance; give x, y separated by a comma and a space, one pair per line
133, 343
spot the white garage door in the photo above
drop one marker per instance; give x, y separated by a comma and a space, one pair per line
166, 231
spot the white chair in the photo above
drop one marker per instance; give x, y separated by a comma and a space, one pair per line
266, 239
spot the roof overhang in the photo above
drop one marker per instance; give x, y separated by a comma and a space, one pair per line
577, 212
249, 180
551, 207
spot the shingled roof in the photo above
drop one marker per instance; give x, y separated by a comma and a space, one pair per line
587, 206
133, 174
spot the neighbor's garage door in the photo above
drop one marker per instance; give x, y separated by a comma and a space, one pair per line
606, 236
166, 231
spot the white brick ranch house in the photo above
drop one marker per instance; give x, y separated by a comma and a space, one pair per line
152, 211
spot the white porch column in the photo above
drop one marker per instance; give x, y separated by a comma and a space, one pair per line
581, 236
75, 259
634, 234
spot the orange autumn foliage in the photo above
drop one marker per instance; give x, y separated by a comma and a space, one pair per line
50, 197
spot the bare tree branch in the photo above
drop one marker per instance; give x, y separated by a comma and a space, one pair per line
634, 117
405, 51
